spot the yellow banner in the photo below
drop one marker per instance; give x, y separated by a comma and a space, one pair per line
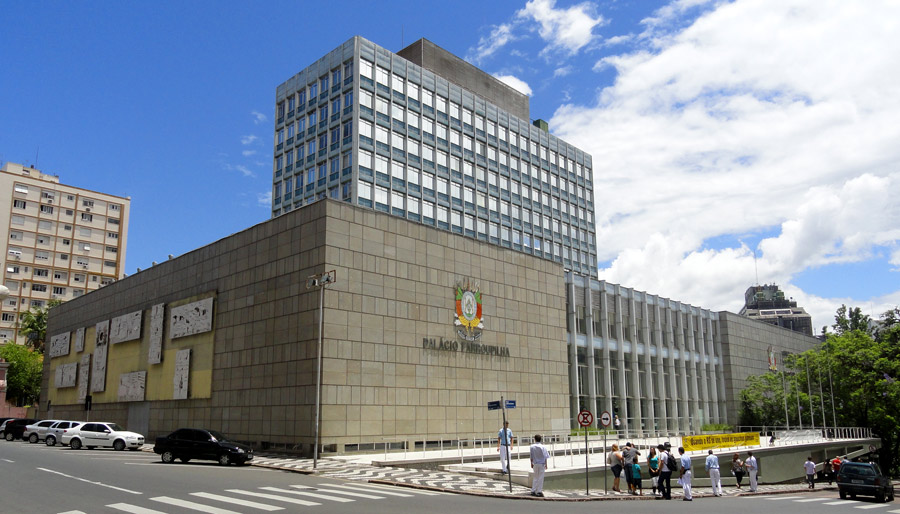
712, 441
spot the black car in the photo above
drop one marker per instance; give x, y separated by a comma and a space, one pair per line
864, 478
16, 427
193, 443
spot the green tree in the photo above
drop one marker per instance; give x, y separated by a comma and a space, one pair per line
847, 320
762, 401
23, 377
33, 325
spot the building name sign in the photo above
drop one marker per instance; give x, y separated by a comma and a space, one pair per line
449, 345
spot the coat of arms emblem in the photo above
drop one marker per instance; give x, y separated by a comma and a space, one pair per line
468, 311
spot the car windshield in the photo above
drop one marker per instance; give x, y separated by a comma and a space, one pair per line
864, 471
217, 436
116, 428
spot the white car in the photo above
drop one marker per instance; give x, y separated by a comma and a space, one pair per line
37, 431
108, 435
56, 430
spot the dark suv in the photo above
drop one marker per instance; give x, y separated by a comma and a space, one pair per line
193, 443
16, 427
864, 478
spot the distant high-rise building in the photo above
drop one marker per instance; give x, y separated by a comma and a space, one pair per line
424, 135
767, 303
60, 241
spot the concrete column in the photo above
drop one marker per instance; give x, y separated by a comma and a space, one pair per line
714, 369
589, 338
683, 368
663, 412
605, 335
620, 358
636, 391
671, 365
648, 365
696, 365
573, 348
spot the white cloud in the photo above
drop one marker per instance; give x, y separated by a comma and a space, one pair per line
515, 83
500, 35
258, 117
562, 71
248, 140
723, 127
264, 199
569, 29
245, 171
248, 153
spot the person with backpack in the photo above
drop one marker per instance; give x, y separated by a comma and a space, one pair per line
666, 466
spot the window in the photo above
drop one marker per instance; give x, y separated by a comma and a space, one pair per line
22, 189
60, 275
41, 288
15, 235
19, 204
87, 203
63, 256
45, 225
43, 240
17, 220
41, 255
112, 235
12, 269
9, 316
82, 261
70, 212
47, 209
109, 264
59, 290
87, 216
78, 277
113, 221
85, 246
113, 249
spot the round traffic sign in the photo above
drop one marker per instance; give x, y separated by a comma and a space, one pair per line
605, 418
585, 418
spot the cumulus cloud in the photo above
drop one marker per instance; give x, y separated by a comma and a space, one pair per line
716, 127
488, 45
248, 140
264, 199
562, 71
569, 29
515, 83
248, 153
258, 117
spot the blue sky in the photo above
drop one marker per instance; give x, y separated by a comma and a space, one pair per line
717, 128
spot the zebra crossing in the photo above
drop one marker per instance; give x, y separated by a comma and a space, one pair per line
832, 502
267, 498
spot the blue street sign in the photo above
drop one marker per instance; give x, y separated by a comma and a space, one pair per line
510, 404
493, 405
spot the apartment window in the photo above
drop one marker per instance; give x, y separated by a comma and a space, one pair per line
41, 255
84, 232
17, 220
112, 249
78, 277
109, 264
70, 212
85, 247
112, 235
70, 198
43, 240
12, 269
47, 209
59, 290
41, 288
87, 203
37, 304
41, 272
113, 221
45, 225
87, 216
60, 275
77, 292
21, 189
82, 261
19, 204
114, 207
8, 316
15, 235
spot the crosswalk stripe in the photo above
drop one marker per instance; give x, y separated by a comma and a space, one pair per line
274, 497
840, 502
782, 497
311, 495
238, 501
192, 505
895, 511
423, 492
133, 509
70, 511
875, 506
360, 489
348, 493
813, 500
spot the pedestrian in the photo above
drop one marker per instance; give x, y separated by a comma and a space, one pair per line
665, 473
539, 458
505, 439
685, 474
617, 424
752, 469
810, 467
653, 469
636, 479
827, 471
715, 478
836, 465
629, 457
614, 460
737, 469
772, 440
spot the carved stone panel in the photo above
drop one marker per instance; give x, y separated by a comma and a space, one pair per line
190, 319
84, 373
182, 374
59, 345
79, 340
98, 371
125, 328
132, 386
66, 375
157, 321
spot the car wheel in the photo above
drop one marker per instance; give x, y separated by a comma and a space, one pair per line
185, 460
842, 494
168, 457
33, 438
224, 459
119, 445
51, 441
9, 437
75, 444
879, 497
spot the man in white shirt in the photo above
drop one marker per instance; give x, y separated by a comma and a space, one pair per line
686, 474
505, 439
539, 457
752, 469
715, 478
810, 467
665, 474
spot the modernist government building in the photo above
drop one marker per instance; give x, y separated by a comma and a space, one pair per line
452, 244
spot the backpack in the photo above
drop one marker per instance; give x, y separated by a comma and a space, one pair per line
671, 463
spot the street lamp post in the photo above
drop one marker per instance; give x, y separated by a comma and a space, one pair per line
312, 282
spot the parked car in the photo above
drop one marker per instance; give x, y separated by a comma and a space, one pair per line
864, 478
3, 427
37, 431
193, 443
107, 435
16, 427
54, 433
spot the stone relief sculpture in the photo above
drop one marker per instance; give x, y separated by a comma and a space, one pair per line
190, 319
132, 386
182, 374
101, 348
84, 373
66, 374
125, 328
157, 318
59, 345
79, 340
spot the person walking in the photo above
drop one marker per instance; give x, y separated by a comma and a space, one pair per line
752, 469
836, 465
629, 457
826, 471
665, 473
715, 477
539, 458
686, 475
653, 469
505, 439
810, 467
737, 469
614, 460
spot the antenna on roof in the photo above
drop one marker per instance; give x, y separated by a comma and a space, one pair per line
36, 152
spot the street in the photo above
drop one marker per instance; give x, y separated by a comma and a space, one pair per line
35, 478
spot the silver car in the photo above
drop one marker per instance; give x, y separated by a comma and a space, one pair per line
57, 430
37, 431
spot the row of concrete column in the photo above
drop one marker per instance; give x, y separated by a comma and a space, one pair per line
695, 379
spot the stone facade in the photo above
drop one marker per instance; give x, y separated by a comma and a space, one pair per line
382, 380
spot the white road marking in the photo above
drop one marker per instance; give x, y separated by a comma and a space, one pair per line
133, 509
10, 461
781, 497
192, 506
875, 506
382, 487
72, 512
347, 493
306, 493
813, 500
840, 502
365, 490
90, 481
274, 497
238, 501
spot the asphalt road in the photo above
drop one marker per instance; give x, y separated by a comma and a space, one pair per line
38, 479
